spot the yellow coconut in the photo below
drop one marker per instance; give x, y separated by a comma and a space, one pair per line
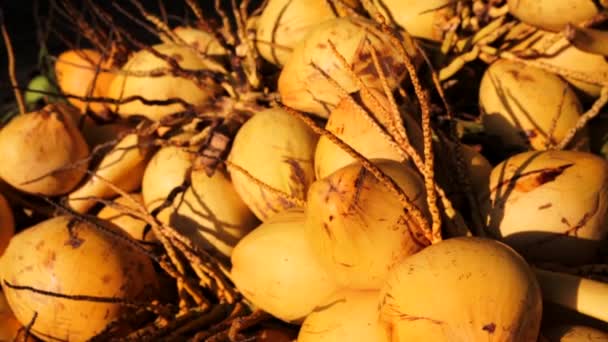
123, 166
274, 266
284, 23
209, 211
574, 333
277, 149
550, 206
202, 41
421, 18
69, 257
552, 15
303, 83
127, 222
44, 153
557, 52
7, 224
526, 107
357, 228
76, 72
134, 80
348, 315
462, 289
349, 122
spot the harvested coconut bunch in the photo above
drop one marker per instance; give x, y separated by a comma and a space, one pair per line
306, 170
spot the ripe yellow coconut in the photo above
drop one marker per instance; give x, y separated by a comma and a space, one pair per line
201, 40
123, 166
348, 315
462, 289
520, 104
303, 82
7, 224
73, 258
552, 15
274, 266
44, 153
574, 333
421, 18
76, 72
277, 149
357, 228
349, 123
130, 82
561, 54
550, 206
209, 211
284, 23
129, 223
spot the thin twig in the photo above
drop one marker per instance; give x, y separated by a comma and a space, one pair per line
11, 64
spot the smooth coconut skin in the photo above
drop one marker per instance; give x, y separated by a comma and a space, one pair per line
421, 18
275, 268
76, 72
284, 23
209, 211
201, 40
557, 52
349, 315
123, 166
160, 88
277, 149
7, 224
130, 224
45, 153
462, 289
80, 260
349, 123
552, 15
519, 104
303, 82
550, 206
357, 228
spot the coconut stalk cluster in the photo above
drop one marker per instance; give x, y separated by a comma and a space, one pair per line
319, 170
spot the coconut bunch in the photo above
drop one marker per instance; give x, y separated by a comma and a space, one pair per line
310, 170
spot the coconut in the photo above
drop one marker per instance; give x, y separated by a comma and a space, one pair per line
10, 328
70, 257
552, 15
420, 18
130, 82
550, 206
348, 315
77, 74
44, 153
349, 123
274, 265
209, 211
574, 333
284, 23
462, 289
277, 149
357, 227
125, 221
123, 166
528, 108
303, 83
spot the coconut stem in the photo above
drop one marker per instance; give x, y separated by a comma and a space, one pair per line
588, 115
586, 296
11, 65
